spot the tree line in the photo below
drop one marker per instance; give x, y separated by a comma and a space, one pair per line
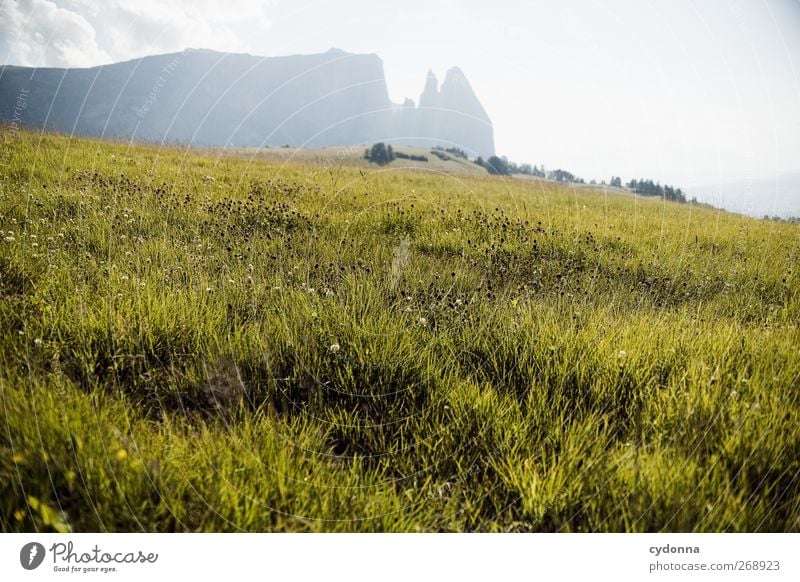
650, 188
382, 154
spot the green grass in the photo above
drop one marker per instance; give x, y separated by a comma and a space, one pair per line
512, 355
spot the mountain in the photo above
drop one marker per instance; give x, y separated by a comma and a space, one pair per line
208, 98
451, 115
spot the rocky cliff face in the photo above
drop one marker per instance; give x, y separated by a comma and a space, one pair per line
208, 98
450, 116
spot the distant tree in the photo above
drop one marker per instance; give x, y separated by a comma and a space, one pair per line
561, 176
413, 157
647, 187
497, 166
459, 153
380, 154
616, 181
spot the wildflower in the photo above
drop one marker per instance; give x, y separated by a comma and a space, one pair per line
423, 321
38, 341
121, 455
334, 348
622, 355
209, 290
124, 277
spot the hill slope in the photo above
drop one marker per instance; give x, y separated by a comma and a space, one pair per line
209, 343
353, 157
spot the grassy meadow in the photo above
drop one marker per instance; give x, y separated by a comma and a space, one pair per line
201, 343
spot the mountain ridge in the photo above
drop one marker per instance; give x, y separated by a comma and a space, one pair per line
208, 98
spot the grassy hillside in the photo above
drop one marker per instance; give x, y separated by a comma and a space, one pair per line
196, 343
353, 156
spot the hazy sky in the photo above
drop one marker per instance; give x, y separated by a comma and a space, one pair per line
684, 91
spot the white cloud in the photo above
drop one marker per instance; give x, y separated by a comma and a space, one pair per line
85, 32
40, 33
